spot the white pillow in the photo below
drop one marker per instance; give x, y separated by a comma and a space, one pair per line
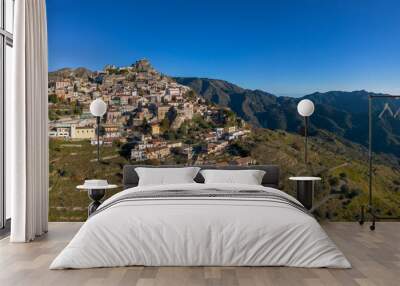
166, 176
248, 177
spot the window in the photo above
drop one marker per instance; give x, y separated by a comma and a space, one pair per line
6, 60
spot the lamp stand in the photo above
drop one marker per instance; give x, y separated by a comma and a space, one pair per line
98, 138
305, 139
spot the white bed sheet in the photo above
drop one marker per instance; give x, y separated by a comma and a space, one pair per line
200, 232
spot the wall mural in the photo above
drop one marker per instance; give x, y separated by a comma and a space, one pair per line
155, 119
388, 110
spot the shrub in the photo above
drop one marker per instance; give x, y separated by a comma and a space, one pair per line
238, 149
353, 193
396, 182
333, 181
344, 188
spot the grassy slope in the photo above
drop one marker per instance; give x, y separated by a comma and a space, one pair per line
70, 165
329, 157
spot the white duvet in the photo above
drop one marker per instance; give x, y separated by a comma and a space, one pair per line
200, 231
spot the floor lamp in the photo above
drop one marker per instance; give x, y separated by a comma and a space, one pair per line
305, 108
98, 108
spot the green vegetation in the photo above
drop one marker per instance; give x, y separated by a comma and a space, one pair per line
239, 149
342, 166
53, 98
70, 164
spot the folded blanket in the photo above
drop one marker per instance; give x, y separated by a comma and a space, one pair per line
205, 193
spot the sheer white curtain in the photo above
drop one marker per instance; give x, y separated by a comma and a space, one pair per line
26, 119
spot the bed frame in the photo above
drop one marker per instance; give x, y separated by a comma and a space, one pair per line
270, 179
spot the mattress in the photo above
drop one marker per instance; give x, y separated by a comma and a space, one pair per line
201, 225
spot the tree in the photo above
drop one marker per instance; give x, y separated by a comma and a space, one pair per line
170, 135
53, 98
199, 121
191, 95
164, 125
353, 193
226, 117
171, 115
333, 181
237, 149
53, 115
125, 150
199, 147
76, 109
183, 130
153, 108
146, 127
344, 188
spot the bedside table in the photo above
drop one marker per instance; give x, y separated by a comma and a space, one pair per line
305, 190
96, 194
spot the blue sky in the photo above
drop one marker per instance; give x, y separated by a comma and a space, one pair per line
286, 47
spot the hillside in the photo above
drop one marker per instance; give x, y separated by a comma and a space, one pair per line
69, 72
245, 103
340, 163
342, 113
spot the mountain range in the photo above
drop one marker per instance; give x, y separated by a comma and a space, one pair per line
343, 113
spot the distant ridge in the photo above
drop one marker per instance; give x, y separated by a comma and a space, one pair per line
70, 72
344, 113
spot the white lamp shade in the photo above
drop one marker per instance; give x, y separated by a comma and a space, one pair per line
305, 107
98, 107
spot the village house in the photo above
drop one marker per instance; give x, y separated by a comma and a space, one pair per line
176, 144
62, 84
142, 145
243, 161
82, 132
124, 99
113, 115
159, 142
211, 137
155, 98
230, 129
60, 93
188, 110
173, 91
177, 122
157, 153
162, 111
111, 132
155, 128
60, 132
138, 155
219, 132
213, 148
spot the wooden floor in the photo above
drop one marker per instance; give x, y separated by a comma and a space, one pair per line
375, 257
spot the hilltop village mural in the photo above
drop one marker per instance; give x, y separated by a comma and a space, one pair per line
153, 114
154, 119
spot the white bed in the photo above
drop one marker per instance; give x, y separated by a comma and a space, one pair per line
202, 231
